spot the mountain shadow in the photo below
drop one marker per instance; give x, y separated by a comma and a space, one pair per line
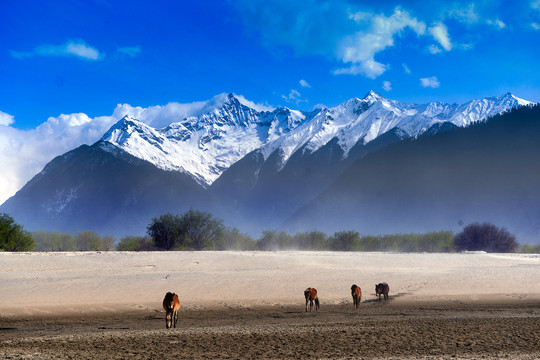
486, 172
266, 194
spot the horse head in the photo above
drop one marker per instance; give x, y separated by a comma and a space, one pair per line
169, 300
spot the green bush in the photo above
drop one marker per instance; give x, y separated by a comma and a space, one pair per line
314, 240
13, 237
201, 230
54, 241
166, 231
194, 230
273, 241
345, 241
136, 243
90, 241
529, 249
233, 239
486, 237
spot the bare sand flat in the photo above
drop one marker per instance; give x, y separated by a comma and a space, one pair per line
250, 305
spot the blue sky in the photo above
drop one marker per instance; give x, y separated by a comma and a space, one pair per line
65, 66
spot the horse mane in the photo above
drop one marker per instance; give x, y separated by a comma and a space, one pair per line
169, 297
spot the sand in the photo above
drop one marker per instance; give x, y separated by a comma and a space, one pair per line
250, 305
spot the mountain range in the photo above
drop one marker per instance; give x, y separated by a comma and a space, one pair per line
255, 169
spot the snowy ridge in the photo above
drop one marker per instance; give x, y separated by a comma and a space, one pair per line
206, 145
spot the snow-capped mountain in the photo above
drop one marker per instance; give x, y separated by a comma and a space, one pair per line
364, 120
332, 169
205, 146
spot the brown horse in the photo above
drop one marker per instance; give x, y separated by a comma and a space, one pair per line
382, 289
311, 295
171, 304
356, 293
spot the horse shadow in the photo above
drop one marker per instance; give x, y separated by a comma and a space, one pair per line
390, 298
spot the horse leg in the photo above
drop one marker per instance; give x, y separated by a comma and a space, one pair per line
385, 296
167, 320
306, 304
310, 304
175, 317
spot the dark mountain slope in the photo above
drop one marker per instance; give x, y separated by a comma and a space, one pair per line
487, 172
268, 195
113, 193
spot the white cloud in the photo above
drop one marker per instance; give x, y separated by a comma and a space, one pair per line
535, 26
497, 23
351, 32
319, 106
466, 46
406, 68
131, 51
360, 49
463, 14
387, 86
254, 105
6, 119
369, 68
431, 82
23, 153
304, 83
535, 4
293, 95
76, 48
159, 116
434, 49
439, 31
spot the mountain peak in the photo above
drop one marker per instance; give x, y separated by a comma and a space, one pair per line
520, 101
373, 96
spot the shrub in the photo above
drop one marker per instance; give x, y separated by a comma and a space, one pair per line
486, 237
53, 241
89, 241
273, 241
136, 243
194, 230
13, 237
314, 240
165, 231
344, 241
201, 230
529, 249
233, 239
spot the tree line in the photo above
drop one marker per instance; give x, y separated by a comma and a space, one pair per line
198, 230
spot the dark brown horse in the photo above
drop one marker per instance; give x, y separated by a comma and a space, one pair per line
356, 293
382, 289
311, 295
171, 304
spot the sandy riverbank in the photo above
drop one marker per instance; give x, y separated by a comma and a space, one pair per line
250, 305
